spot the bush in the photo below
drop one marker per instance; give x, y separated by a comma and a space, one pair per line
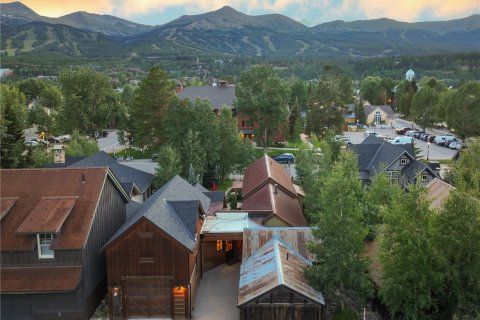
345, 314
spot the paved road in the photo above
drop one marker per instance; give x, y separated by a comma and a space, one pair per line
434, 152
110, 143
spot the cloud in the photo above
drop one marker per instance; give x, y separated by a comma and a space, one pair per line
57, 8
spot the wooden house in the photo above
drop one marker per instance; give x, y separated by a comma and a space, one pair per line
272, 283
153, 260
53, 223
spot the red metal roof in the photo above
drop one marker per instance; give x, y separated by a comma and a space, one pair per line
263, 171
279, 202
31, 185
39, 279
6, 205
48, 215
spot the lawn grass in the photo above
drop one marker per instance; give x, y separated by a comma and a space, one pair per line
136, 154
224, 185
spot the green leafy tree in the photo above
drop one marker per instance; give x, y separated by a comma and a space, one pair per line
424, 104
32, 88
372, 90
80, 145
298, 93
85, 109
169, 165
410, 264
463, 110
340, 264
458, 243
12, 104
152, 99
263, 97
292, 119
193, 157
405, 92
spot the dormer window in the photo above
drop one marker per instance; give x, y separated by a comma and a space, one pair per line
44, 242
403, 162
424, 177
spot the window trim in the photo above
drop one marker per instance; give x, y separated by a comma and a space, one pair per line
403, 161
39, 246
424, 177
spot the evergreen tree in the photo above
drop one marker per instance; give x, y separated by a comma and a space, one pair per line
169, 165
292, 119
12, 104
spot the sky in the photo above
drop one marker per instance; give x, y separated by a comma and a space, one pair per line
308, 12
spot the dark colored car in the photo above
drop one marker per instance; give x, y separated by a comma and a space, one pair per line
104, 133
285, 158
155, 157
403, 130
431, 138
417, 134
434, 165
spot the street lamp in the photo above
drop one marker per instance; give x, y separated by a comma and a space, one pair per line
428, 149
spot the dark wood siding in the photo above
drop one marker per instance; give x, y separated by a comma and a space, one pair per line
145, 250
110, 215
61, 257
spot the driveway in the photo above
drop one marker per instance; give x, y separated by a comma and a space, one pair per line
217, 294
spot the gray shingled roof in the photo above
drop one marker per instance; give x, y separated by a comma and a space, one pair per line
174, 208
126, 175
218, 96
387, 109
217, 196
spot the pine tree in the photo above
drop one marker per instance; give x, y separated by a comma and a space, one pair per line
12, 104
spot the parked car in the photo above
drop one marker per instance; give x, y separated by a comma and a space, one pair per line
31, 143
448, 142
410, 133
285, 158
402, 130
417, 134
431, 138
369, 133
424, 136
434, 165
155, 157
441, 139
402, 140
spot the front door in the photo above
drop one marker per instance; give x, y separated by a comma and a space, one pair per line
148, 297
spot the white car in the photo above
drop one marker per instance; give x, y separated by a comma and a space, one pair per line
410, 133
402, 140
31, 143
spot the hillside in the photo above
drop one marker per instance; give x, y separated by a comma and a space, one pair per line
227, 31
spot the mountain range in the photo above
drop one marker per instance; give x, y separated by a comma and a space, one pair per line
227, 31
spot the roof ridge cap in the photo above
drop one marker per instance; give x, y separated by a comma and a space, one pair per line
278, 261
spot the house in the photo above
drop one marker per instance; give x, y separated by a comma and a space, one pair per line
375, 154
269, 195
437, 192
222, 95
153, 260
53, 222
272, 283
379, 114
137, 183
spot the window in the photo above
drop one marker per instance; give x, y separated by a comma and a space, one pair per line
378, 117
219, 245
44, 241
403, 162
424, 177
393, 176
243, 123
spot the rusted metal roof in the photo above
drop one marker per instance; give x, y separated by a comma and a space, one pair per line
6, 205
31, 185
39, 279
275, 264
438, 191
278, 202
296, 238
263, 171
48, 215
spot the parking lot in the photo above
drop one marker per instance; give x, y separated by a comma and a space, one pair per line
434, 152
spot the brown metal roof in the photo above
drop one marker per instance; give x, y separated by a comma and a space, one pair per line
48, 215
31, 185
263, 171
438, 191
279, 202
39, 279
296, 238
275, 264
6, 205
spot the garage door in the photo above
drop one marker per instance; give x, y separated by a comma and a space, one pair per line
148, 297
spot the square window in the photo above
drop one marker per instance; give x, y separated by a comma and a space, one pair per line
44, 241
424, 177
403, 162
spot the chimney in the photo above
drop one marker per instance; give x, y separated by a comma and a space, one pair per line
58, 154
179, 87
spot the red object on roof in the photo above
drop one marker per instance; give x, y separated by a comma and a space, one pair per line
39, 279
214, 187
48, 215
30, 186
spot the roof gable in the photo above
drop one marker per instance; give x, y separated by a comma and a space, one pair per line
31, 185
385, 108
438, 191
125, 174
263, 171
